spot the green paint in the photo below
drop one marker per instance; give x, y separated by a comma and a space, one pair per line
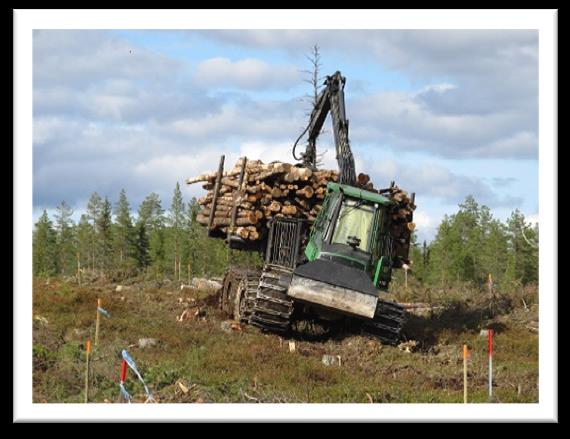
359, 193
378, 270
311, 251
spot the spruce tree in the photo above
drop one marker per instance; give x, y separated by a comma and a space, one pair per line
141, 246
44, 247
104, 234
93, 212
151, 215
83, 236
176, 222
124, 236
65, 239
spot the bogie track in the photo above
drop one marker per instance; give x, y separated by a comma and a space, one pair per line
272, 308
260, 299
239, 291
387, 323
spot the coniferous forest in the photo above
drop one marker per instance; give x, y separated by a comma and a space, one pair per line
162, 239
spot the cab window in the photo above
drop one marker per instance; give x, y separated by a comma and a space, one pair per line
355, 219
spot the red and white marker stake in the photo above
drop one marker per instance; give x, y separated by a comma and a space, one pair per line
123, 371
490, 349
124, 392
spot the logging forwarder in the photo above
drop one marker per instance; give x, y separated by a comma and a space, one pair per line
337, 266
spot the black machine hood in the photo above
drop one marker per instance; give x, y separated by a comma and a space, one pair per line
337, 274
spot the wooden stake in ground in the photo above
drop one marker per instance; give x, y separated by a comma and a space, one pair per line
97, 322
490, 349
465, 355
87, 352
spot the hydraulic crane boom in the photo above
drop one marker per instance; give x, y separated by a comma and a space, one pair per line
331, 99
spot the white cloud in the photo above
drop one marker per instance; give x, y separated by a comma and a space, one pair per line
248, 120
109, 114
487, 105
437, 88
426, 223
267, 152
408, 121
80, 57
252, 74
432, 181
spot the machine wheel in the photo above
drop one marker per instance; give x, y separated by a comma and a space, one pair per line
238, 292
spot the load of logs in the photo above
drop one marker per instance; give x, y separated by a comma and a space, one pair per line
241, 200
251, 193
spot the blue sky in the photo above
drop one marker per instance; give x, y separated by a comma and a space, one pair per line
443, 113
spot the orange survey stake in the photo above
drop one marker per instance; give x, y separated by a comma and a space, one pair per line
88, 346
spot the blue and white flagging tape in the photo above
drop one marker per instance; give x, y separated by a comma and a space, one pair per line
124, 392
104, 312
131, 363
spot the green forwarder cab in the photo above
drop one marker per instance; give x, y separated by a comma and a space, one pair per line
351, 229
349, 253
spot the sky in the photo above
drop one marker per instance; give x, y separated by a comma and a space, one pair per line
444, 113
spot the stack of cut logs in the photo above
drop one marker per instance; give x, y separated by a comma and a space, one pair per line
401, 227
252, 192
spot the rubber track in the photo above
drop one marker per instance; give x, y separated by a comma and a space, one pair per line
387, 323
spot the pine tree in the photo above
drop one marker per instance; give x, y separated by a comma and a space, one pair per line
192, 233
93, 212
176, 222
523, 265
141, 246
44, 247
104, 234
65, 239
150, 211
83, 238
445, 253
494, 249
417, 259
124, 235
151, 214
157, 247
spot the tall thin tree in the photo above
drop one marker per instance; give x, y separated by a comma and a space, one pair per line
176, 220
65, 238
93, 212
104, 234
124, 230
44, 247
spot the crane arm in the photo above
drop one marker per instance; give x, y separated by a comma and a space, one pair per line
331, 99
